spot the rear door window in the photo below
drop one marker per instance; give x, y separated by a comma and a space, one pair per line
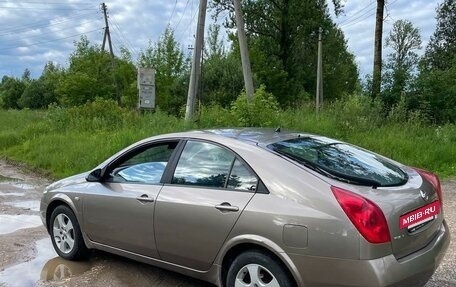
209, 165
203, 164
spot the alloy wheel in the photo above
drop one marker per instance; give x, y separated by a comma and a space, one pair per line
254, 275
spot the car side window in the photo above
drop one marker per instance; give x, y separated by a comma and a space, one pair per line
203, 164
146, 165
242, 178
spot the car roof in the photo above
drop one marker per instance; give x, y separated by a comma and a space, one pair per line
258, 136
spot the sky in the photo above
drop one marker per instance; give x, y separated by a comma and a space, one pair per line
34, 32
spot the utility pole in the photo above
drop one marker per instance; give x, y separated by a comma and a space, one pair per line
107, 35
319, 92
196, 62
377, 72
245, 58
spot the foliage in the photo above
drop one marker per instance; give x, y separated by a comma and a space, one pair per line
93, 74
404, 39
63, 149
436, 84
437, 90
262, 111
97, 115
172, 69
222, 79
11, 90
441, 49
283, 47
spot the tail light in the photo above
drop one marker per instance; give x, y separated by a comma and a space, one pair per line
367, 217
433, 179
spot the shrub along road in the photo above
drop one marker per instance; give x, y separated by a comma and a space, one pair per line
28, 257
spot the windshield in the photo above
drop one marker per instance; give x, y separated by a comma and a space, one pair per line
341, 161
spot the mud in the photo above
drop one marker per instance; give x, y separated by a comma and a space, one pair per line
28, 259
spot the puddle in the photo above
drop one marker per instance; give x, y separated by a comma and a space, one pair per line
58, 269
22, 185
11, 193
33, 205
28, 273
12, 223
45, 267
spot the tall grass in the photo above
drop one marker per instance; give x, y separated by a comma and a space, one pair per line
67, 141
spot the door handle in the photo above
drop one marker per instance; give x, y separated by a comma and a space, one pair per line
145, 198
226, 207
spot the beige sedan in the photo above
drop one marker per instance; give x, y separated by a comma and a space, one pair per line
255, 207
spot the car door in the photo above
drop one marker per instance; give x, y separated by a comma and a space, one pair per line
121, 211
199, 206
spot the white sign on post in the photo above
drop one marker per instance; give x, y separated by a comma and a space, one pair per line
146, 87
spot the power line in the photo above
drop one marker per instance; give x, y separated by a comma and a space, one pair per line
49, 41
54, 31
182, 16
349, 18
41, 2
49, 32
52, 9
122, 35
189, 26
172, 13
371, 12
17, 29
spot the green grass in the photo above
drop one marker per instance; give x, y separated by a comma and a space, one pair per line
62, 142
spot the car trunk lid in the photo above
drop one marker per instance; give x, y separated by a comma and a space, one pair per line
412, 211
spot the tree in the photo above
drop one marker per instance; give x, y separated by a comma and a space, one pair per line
441, 49
404, 39
214, 45
283, 48
90, 75
126, 75
222, 79
437, 80
26, 75
10, 92
171, 68
377, 72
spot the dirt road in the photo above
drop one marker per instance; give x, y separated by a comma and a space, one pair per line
28, 259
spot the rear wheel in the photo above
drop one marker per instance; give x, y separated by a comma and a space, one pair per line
66, 234
257, 269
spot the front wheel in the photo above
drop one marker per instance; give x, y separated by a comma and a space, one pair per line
257, 269
66, 235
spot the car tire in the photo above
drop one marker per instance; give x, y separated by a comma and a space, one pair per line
257, 268
66, 234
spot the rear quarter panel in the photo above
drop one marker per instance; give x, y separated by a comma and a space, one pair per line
296, 197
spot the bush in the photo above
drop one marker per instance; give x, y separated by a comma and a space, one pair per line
263, 111
97, 115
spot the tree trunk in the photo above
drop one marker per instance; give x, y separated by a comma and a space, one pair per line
377, 73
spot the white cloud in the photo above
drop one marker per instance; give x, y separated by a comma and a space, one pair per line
31, 34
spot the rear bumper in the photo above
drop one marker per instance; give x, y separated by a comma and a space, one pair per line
413, 270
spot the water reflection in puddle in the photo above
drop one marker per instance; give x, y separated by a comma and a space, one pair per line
22, 185
58, 269
12, 223
45, 266
11, 193
28, 273
33, 205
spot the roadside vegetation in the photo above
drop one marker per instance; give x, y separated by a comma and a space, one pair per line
70, 118
65, 141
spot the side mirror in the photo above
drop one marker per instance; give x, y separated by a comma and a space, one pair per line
94, 176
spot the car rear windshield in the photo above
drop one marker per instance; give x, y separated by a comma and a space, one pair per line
341, 161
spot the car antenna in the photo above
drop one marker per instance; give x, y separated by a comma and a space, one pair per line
277, 130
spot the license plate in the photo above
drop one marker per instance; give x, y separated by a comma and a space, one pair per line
420, 215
